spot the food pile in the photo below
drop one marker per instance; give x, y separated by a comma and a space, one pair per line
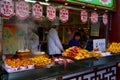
114, 47
76, 53
41, 61
13, 65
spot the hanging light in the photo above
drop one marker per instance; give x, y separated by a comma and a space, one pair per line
83, 6
95, 9
106, 10
66, 4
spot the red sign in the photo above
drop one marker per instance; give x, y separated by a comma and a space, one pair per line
84, 16
7, 8
37, 10
22, 9
51, 12
105, 19
64, 14
94, 17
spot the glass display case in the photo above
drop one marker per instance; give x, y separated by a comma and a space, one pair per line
93, 68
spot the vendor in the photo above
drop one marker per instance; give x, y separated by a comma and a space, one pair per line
83, 37
55, 47
75, 41
33, 41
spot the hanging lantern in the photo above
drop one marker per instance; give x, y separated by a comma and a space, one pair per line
37, 11
94, 17
84, 16
51, 12
22, 9
7, 8
105, 19
64, 14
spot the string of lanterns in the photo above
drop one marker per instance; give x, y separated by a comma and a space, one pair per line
22, 11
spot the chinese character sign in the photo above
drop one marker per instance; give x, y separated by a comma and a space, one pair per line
84, 16
7, 8
64, 14
22, 9
94, 17
37, 10
105, 19
100, 44
51, 12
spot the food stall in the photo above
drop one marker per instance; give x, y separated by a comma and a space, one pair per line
23, 58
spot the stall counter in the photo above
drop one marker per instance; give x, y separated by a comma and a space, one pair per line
102, 68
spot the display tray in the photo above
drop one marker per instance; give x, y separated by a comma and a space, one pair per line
13, 70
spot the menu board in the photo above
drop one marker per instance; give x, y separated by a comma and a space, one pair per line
95, 29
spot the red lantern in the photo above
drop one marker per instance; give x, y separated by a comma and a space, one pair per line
94, 17
84, 16
51, 12
37, 10
22, 9
105, 19
7, 8
64, 14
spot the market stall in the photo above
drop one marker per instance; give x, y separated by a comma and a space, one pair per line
25, 28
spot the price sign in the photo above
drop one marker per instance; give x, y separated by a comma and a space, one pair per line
22, 9
100, 44
84, 16
64, 14
37, 10
7, 8
94, 17
105, 19
51, 12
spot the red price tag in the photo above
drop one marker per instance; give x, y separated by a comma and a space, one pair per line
7, 8
84, 16
64, 14
105, 19
94, 17
37, 10
51, 12
22, 9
